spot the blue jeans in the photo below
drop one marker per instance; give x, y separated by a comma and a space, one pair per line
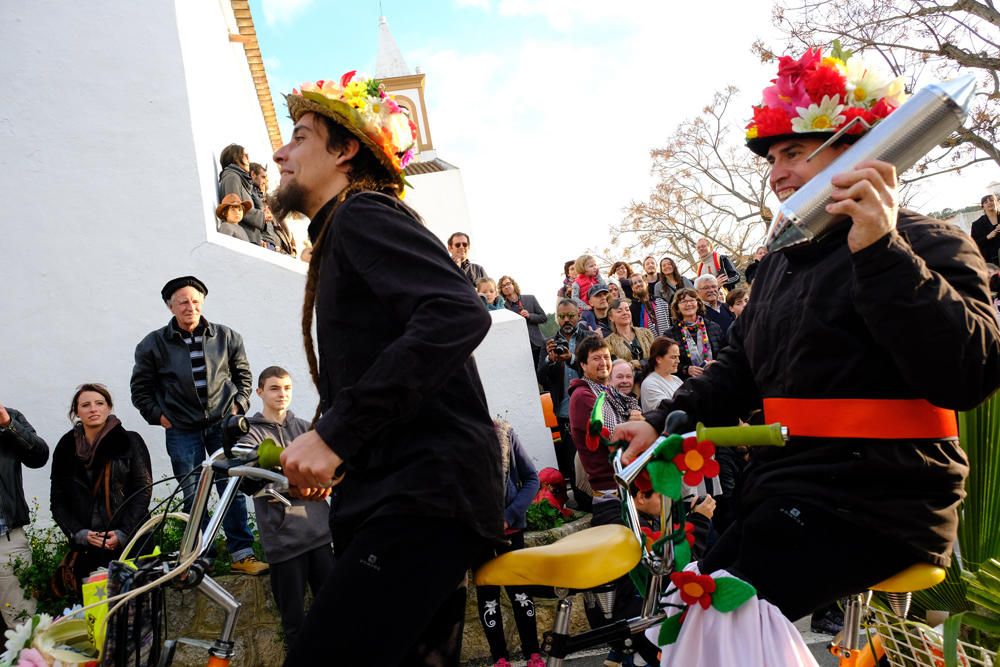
187, 450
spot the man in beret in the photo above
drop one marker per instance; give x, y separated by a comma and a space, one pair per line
404, 430
188, 377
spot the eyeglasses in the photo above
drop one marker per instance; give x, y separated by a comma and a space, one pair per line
460, 244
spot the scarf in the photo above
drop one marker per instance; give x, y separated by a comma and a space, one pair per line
696, 341
86, 451
713, 269
617, 406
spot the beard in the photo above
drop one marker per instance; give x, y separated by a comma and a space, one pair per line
287, 199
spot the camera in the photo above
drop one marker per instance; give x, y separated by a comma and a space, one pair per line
561, 348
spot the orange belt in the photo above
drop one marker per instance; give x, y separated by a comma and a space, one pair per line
875, 418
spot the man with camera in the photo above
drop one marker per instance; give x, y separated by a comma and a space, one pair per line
556, 369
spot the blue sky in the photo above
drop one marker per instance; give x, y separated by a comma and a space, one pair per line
549, 107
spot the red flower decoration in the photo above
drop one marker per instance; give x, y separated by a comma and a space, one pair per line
696, 461
881, 109
643, 482
688, 532
594, 441
825, 81
770, 122
849, 113
810, 60
346, 79
651, 535
694, 588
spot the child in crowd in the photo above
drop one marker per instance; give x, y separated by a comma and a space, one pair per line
569, 275
521, 486
487, 290
230, 214
296, 539
588, 275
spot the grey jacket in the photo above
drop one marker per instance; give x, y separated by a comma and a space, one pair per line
162, 383
287, 532
19, 445
233, 180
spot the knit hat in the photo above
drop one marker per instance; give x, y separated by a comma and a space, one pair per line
362, 107
817, 96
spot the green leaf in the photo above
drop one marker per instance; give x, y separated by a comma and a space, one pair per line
669, 629
682, 555
666, 479
949, 640
730, 593
670, 448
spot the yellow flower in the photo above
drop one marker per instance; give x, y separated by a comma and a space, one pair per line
836, 63
752, 132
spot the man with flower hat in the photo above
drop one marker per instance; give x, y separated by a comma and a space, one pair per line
403, 430
835, 345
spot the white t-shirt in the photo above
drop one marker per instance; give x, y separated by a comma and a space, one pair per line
655, 388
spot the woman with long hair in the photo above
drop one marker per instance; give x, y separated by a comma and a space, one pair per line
671, 280
101, 482
626, 341
699, 339
622, 272
527, 306
661, 380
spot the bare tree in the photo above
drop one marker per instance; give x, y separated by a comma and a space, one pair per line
709, 186
921, 40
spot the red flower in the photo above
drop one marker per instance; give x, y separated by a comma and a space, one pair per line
651, 535
643, 481
688, 532
788, 66
881, 109
696, 461
694, 588
547, 496
551, 477
850, 113
771, 122
346, 79
824, 81
593, 440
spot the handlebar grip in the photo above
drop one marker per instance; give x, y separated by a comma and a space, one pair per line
750, 436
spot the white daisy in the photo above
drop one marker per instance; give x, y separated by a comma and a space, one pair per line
822, 117
865, 85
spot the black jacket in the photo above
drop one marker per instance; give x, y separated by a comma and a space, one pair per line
72, 499
907, 317
397, 322
19, 445
990, 248
552, 377
536, 316
716, 341
162, 383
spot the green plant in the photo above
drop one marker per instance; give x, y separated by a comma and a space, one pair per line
541, 515
48, 546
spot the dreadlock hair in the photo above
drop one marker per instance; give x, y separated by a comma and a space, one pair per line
366, 174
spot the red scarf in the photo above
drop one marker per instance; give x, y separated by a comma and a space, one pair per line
715, 261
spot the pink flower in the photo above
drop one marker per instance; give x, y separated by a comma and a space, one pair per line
31, 658
787, 93
346, 79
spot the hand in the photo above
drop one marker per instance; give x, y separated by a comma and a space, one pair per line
318, 493
236, 409
639, 435
4, 416
164, 422
112, 540
523, 313
635, 416
550, 349
309, 463
706, 507
506, 526
695, 371
721, 280
868, 196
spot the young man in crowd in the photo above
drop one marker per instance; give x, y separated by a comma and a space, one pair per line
296, 539
404, 429
188, 377
715, 308
597, 317
19, 446
458, 247
833, 345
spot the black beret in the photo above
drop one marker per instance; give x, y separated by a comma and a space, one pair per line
177, 283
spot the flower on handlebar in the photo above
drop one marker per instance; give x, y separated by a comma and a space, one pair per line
694, 588
696, 461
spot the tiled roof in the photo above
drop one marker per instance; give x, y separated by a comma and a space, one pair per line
429, 167
248, 36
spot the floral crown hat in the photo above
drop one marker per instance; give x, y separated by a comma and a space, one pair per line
819, 96
363, 107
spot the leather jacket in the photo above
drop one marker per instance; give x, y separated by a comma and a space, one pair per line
19, 445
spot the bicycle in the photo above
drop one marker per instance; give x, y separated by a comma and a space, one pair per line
188, 568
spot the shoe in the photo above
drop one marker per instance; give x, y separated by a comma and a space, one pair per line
502, 662
536, 660
251, 566
829, 622
614, 658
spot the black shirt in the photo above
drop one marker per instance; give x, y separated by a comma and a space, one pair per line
990, 248
908, 317
397, 322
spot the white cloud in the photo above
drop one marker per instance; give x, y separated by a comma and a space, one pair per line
283, 11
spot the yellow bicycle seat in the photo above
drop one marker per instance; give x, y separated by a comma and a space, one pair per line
582, 560
917, 577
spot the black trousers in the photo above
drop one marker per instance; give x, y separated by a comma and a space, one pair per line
566, 452
491, 617
396, 596
800, 556
288, 583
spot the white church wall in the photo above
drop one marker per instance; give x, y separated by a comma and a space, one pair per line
439, 198
508, 376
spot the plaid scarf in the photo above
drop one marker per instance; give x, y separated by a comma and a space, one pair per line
617, 406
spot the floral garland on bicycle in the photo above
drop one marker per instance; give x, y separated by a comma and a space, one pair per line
677, 460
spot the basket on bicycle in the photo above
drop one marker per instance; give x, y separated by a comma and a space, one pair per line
912, 644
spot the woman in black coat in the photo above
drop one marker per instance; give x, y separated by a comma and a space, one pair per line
101, 477
527, 307
700, 339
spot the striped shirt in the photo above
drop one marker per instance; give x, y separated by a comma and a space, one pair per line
194, 341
